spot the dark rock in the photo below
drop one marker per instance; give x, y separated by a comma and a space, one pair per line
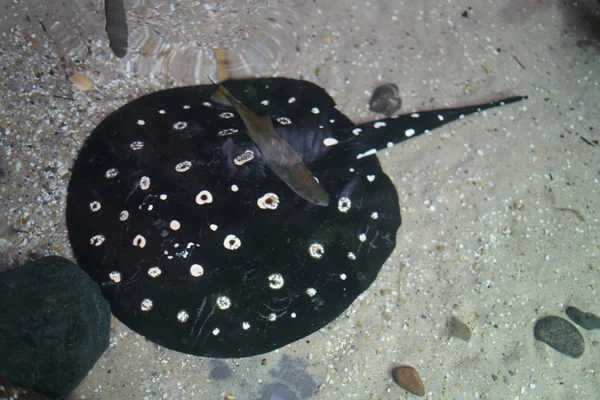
459, 329
560, 334
385, 99
586, 320
54, 325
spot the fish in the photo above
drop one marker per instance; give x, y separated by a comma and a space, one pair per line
279, 156
201, 248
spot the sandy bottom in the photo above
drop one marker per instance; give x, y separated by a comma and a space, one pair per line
500, 211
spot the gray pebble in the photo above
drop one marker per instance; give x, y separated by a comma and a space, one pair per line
459, 329
560, 334
385, 99
586, 320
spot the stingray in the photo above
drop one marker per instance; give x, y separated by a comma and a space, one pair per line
201, 248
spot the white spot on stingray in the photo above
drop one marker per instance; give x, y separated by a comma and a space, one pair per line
311, 292
216, 331
234, 188
175, 225
97, 240
150, 207
375, 215
137, 145
95, 206
276, 281
344, 204
154, 272
356, 131
183, 166
245, 325
163, 196
330, 141
232, 242
316, 250
343, 277
144, 183
186, 107
115, 276
370, 178
223, 302
415, 115
315, 110
141, 122
284, 120
379, 124
265, 102
163, 112
351, 169
409, 132
147, 305
440, 117
196, 270
390, 144
293, 315
183, 316
269, 201
243, 158
213, 227
180, 125
226, 115
124, 215
291, 100
207, 104
366, 153
272, 317
139, 241
227, 132
204, 197
362, 237
111, 173
351, 256
332, 121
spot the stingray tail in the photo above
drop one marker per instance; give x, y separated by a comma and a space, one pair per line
377, 135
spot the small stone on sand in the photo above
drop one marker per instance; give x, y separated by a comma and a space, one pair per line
81, 83
586, 320
408, 378
459, 329
559, 334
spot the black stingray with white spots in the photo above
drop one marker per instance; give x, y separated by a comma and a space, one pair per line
199, 247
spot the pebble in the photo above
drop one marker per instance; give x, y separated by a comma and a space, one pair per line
459, 329
586, 320
54, 325
81, 83
385, 99
561, 335
408, 379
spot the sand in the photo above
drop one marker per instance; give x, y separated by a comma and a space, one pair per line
500, 210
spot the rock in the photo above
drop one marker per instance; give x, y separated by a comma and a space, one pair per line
586, 320
385, 99
459, 329
54, 325
408, 378
560, 334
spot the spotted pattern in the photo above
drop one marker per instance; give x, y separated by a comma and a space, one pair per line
300, 265
243, 158
269, 201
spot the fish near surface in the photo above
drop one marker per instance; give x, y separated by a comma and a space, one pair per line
279, 156
201, 248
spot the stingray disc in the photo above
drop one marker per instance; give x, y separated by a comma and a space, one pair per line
199, 247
